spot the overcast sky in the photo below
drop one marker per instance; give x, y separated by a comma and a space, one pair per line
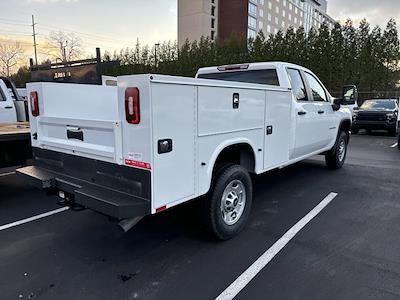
376, 12
118, 23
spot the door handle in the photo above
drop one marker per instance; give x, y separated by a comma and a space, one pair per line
321, 112
301, 113
8, 107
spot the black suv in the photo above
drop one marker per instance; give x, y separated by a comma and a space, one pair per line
376, 114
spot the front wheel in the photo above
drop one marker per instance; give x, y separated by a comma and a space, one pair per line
337, 155
392, 132
228, 204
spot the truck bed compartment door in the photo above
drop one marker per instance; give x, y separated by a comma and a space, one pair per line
277, 128
89, 138
173, 143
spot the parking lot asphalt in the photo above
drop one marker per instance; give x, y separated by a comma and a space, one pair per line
350, 250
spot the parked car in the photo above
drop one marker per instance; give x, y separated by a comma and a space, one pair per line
376, 114
155, 141
22, 93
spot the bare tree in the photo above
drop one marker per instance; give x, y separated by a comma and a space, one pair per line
11, 54
64, 46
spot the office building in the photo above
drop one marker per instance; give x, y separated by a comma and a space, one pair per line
223, 18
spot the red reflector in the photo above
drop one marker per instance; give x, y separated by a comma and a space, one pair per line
132, 108
34, 103
160, 209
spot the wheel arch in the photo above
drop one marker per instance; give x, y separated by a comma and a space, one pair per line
237, 151
345, 125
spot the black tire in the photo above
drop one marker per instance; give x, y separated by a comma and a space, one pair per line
398, 142
335, 158
392, 132
354, 130
213, 216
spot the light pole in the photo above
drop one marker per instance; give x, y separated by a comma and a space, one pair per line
155, 54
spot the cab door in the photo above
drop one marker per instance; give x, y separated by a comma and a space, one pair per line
326, 129
305, 115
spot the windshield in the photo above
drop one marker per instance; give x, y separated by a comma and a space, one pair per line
379, 104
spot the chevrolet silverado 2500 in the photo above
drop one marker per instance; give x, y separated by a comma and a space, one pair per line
153, 141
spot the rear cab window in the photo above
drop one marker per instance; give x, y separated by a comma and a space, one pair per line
264, 76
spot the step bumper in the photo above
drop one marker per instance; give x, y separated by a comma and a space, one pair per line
116, 191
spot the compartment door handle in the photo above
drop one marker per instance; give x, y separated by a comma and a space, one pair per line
76, 134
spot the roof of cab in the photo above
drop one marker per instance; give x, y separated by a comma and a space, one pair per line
248, 66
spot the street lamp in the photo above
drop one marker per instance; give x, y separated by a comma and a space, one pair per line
155, 54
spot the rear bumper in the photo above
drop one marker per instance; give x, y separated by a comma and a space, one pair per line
117, 191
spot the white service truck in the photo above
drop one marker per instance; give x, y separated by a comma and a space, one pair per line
15, 139
153, 142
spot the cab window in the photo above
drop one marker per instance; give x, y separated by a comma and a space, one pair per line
265, 76
318, 92
2, 98
297, 83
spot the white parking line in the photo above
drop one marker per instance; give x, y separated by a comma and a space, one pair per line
394, 145
6, 174
34, 218
241, 282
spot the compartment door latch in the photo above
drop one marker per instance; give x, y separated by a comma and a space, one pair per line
235, 102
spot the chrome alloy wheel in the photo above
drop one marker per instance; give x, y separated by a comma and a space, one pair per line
233, 202
342, 150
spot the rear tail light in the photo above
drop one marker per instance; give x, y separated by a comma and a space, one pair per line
132, 107
34, 103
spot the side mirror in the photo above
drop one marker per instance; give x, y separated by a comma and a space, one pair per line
349, 94
336, 104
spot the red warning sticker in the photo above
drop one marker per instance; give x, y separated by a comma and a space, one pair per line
137, 164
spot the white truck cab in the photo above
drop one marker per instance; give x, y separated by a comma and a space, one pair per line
13, 106
8, 112
153, 141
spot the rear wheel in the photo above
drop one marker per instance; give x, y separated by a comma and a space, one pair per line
337, 155
228, 204
354, 130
